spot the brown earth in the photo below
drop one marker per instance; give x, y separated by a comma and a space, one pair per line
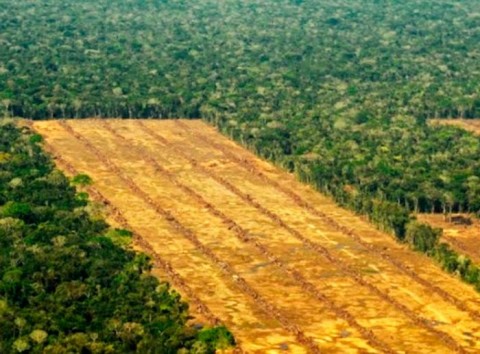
472, 125
463, 237
248, 246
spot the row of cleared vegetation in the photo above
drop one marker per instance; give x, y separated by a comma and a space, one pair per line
397, 220
67, 282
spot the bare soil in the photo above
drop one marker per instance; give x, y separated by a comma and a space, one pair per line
249, 246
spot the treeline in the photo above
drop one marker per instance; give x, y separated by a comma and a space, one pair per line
421, 168
423, 238
65, 284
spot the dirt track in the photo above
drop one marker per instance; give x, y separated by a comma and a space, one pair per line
283, 267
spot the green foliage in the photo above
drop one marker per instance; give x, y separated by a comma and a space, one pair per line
391, 217
66, 283
81, 180
82, 196
16, 210
422, 237
124, 233
425, 239
35, 139
119, 237
457, 264
216, 338
272, 57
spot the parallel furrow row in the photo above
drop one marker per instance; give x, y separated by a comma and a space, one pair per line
268, 308
374, 250
345, 268
177, 281
244, 236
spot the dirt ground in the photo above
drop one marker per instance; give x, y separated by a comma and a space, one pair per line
463, 237
249, 246
472, 125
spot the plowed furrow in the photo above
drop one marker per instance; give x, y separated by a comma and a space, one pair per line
244, 236
222, 304
225, 267
374, 250
241, 233
177, 281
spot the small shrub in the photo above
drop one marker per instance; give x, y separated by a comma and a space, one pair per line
82, 180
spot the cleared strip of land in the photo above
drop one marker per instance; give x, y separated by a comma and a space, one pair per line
281, 265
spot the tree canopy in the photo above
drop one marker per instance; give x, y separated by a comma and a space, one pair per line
66, 286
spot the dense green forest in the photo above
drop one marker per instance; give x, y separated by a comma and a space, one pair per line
240, 60
336, 91
65, 284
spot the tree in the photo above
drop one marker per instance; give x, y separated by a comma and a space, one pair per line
422, 237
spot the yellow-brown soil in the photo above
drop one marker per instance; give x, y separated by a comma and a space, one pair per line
248, 246
465, 239
472, 125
